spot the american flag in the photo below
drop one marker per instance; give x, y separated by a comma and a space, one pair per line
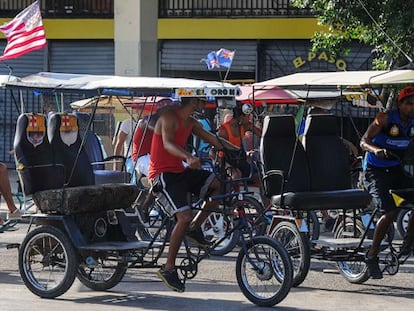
25, 33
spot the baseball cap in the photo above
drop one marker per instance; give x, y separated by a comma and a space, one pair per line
406, 92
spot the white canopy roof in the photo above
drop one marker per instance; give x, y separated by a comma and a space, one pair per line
6, 78
141, 86
341, 78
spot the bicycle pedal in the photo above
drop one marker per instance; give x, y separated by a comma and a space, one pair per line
12, 245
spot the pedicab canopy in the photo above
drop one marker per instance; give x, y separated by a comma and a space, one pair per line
124, 86
343, 79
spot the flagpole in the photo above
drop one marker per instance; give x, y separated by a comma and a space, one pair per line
228, 69
8, 67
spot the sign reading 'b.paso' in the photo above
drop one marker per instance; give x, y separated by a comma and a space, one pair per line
322, 56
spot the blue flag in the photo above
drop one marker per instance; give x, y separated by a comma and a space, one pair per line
225, 57
211, 60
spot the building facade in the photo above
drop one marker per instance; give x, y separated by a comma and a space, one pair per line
270, 39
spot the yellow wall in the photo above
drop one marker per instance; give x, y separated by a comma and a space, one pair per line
188, 28
76, 28
225, 28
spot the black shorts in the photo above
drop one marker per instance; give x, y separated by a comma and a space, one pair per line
378, 181
171, 189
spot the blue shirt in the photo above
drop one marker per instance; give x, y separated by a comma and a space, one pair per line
395, 137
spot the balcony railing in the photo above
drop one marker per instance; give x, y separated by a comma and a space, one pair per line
167, 8
62, 8
229, 8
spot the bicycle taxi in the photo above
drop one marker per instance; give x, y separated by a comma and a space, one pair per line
314, 174
87, 230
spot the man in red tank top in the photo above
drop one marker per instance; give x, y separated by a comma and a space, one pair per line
172, 181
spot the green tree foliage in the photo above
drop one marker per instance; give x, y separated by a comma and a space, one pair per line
386, 25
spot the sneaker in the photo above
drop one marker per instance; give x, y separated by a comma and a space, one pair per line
171, 279
16, 215
373, 268
197, 237
406, 247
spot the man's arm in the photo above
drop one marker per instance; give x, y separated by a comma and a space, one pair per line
374, 129
217, 142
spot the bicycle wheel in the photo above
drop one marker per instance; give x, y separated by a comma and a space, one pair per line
297, 246
353, 271
253, 210
102, 274
156, 218
47, 262
402, 221
215, 227
264, 271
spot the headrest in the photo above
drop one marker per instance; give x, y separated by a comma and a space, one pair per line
321, 125
279, 126
65, 125
36, 128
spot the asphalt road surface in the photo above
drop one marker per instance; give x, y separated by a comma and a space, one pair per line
214, 288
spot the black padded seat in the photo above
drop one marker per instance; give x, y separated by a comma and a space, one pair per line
86, 199
33, 153
323, 200
281, 151
278, 144
65, 141
95, 155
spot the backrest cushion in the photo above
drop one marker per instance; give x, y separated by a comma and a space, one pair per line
281, 150
33, 154
63, 134
327, 155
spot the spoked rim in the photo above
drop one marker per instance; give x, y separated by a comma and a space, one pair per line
215, 228
45, 262
263, 279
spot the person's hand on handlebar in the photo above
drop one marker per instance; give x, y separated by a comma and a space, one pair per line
193, 162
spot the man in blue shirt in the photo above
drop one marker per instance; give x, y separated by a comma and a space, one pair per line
385, 141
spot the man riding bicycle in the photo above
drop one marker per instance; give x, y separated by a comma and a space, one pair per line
172, 181
386, 140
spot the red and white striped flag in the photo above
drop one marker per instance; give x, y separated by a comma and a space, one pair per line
25, 33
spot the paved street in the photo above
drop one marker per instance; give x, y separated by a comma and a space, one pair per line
214, 288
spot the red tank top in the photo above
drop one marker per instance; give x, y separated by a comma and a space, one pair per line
235, 140
161, 160
141, 145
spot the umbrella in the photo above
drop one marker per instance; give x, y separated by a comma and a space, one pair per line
260, 97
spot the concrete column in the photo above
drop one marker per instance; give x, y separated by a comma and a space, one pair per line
136, 52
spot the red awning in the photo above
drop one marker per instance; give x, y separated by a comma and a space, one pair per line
261, 97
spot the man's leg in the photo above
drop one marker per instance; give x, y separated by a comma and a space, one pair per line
183, 220
168, 273
202, 215
5, 188
380, 231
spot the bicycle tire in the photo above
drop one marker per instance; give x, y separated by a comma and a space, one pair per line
402, 221
47, 251
268, 280
215, 228
355, 272
101, 276
298, 247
